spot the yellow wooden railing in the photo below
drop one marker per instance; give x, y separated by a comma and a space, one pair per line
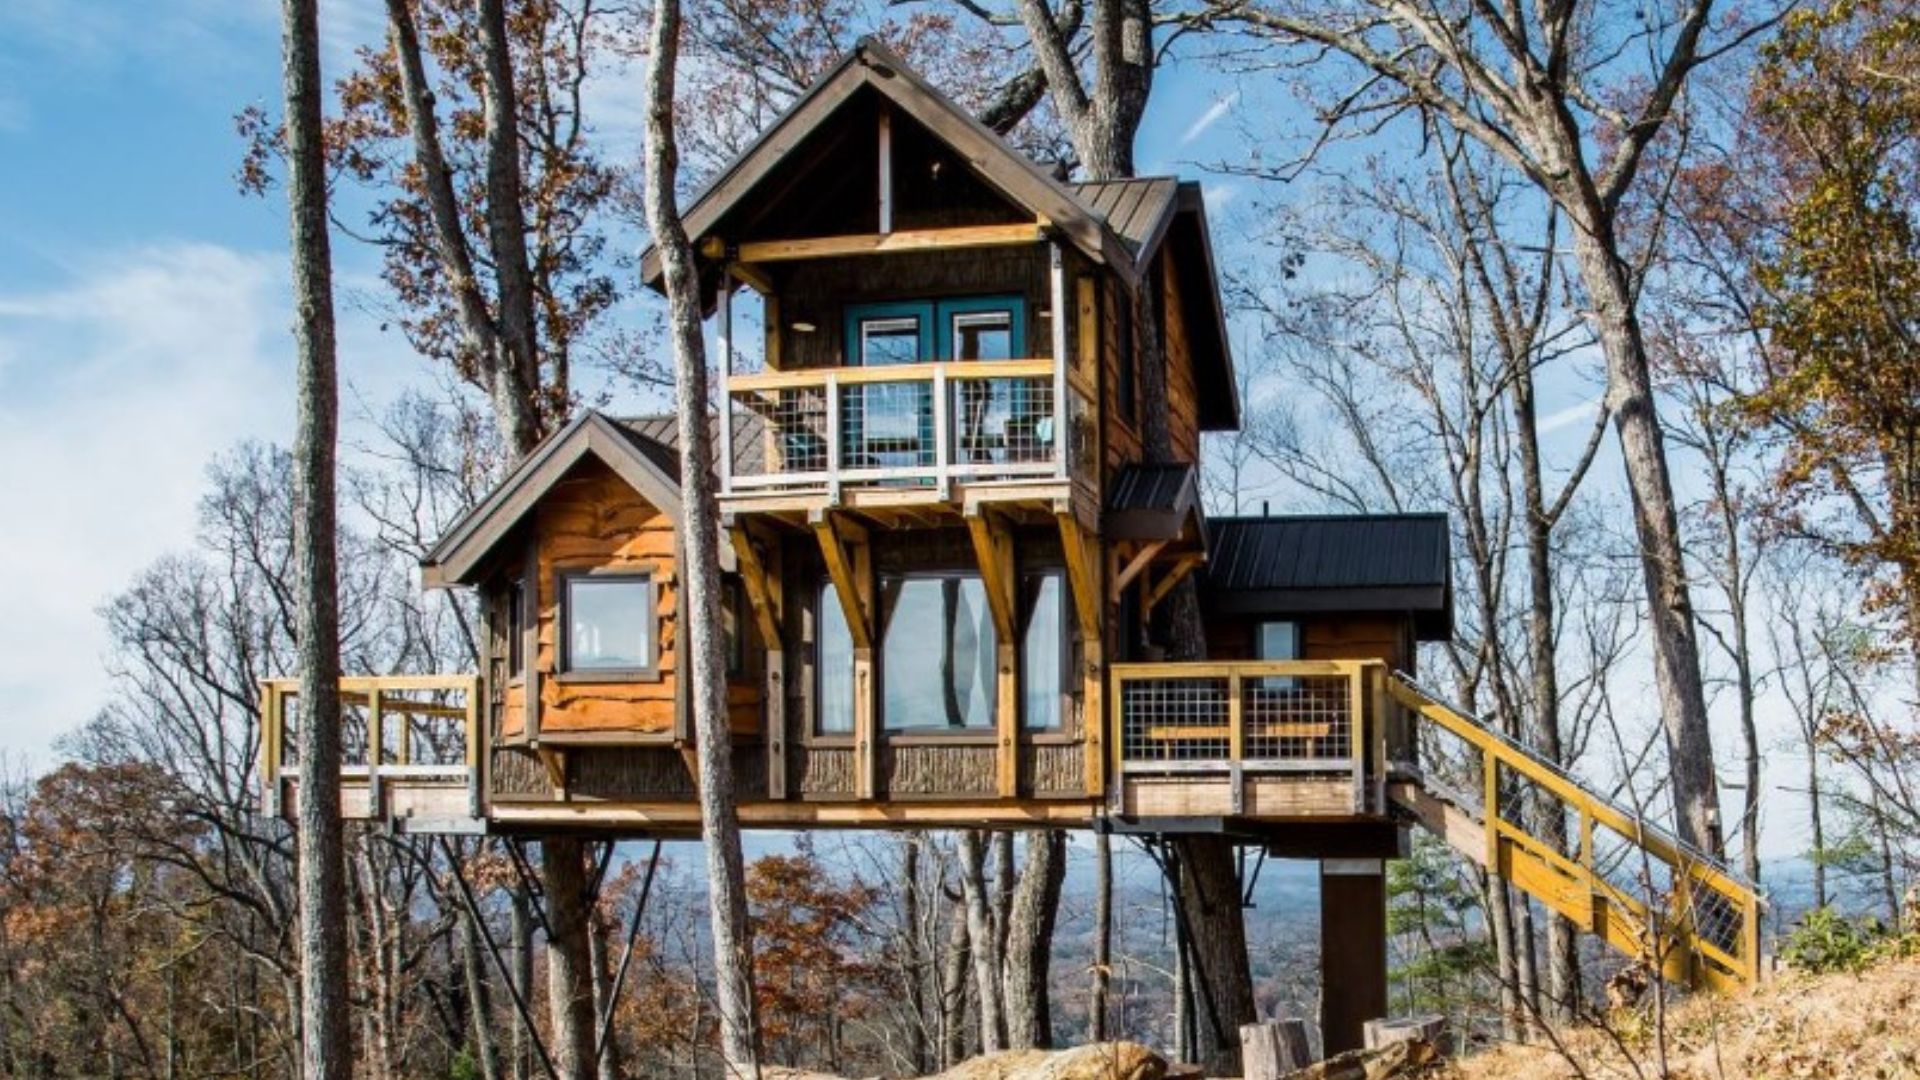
1677, 908
394, 729
1240, 717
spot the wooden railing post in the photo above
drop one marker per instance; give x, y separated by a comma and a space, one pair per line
834, 406
1236, 742
942, 431
376, 738
1490, 815
1357, 733
1376, 675
476, 774
1057, 267
723, 320
271, 709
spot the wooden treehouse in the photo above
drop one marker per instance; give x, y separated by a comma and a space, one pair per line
958, 506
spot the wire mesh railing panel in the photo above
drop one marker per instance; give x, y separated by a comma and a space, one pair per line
1718, 918
1175, 721
795, 422
1633, 871
887, 426
1296, 718
998, 422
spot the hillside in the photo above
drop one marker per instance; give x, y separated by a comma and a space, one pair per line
1839, 1025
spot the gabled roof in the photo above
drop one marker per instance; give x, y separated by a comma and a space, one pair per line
644, 463
1138, 208
1348, 563
873, 65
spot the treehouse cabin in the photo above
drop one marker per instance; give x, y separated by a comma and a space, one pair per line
969, 580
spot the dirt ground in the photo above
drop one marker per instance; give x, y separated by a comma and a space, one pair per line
1794, 1026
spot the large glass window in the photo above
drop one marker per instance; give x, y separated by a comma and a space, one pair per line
1043, 645
833, 706
982, 335
609, 624
937, 655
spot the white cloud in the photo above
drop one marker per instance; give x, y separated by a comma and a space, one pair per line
1576, 413
115, 391
1214, 114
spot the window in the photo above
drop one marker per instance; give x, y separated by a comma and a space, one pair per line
515, 602
1043, 652
609, 621
982, 335
936, 654
833, 667
1277, 641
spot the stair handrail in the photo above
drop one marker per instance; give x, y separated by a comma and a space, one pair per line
1640, 820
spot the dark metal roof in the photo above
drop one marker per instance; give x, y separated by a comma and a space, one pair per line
658, 436
1136, 208
1290, 565
1152, 502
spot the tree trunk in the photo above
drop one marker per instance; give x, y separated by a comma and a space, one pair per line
479, 998
1815, 822
326, 1047
700, 547
1223, 984
953, 988
519, 362
521, 911
913, 964
1676, 653
563, 866
1030, 941
1102, 937
980, 941
1498, 904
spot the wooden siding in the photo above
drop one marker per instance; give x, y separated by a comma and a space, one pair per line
593, 521
1323, 637
818, 292
1183, 395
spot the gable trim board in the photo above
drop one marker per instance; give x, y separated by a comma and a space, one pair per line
463, 551
872, 65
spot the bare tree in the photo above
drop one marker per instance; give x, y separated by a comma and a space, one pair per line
326, 1048
1537, 85
700, 577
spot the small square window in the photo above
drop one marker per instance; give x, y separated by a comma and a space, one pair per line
609, 624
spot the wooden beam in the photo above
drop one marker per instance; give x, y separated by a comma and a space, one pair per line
1081, 573
1133, 569
840, 570
1162, 588
827, 247
763, 590
753, 277
993, 547
753, 575
555, 762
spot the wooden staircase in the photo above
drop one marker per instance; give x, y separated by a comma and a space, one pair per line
1614, 874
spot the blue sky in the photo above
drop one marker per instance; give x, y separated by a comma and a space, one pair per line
143, 301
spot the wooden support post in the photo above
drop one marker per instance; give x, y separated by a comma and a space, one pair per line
1357, 731
1490, 808
993, 550
1062, 408
763, 596
1185, 565
1353, 950
723, 327
476, 753
1272, 1049
273, 713
1083, 581
849, 562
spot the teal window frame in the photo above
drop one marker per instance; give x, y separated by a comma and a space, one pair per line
945, 310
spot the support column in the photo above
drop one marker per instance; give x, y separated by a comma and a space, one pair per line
1353, 950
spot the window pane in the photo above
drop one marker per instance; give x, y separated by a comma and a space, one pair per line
1040, 684
1278, 641
835, 703
889, 341
609, 624
983, 335
937, 659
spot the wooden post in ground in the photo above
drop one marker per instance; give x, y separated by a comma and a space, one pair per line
1353, 950
1272, 1049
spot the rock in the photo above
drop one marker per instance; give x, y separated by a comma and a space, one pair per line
1100, 1061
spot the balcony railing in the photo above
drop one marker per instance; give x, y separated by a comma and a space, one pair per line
1234, 719
413, 730
927, 424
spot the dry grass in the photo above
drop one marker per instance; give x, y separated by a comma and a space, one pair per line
1795, 1026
